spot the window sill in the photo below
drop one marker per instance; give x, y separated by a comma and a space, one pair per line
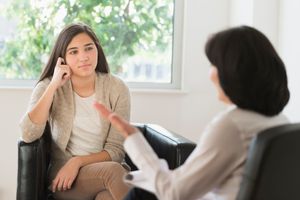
158, 91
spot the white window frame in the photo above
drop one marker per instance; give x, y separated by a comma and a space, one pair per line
176, 65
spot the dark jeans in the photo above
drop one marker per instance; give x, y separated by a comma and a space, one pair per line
140, 194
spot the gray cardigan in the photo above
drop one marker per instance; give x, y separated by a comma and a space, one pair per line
110, 90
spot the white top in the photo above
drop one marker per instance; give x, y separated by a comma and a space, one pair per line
213, 170
84, 139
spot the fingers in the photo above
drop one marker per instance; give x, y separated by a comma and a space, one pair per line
102, 109
65, 177
60, 184
70, 183
54, 184
120, 124
67, 184
62, 73
66, 75
60, 61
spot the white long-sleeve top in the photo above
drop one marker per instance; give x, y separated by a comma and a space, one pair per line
213, 170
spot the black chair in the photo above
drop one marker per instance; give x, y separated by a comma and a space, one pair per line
33, 158
272, 170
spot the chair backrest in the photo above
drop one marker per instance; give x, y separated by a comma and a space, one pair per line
167, 145
272, 169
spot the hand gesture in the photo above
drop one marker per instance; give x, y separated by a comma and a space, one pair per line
118, 122
62, 73
66, 175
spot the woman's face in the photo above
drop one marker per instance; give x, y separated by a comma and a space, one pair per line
82, 55
213, 75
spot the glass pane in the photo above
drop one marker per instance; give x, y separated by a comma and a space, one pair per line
136, 35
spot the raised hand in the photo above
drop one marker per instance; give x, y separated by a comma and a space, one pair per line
118, 122
62, 73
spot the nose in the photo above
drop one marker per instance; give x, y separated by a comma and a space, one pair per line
83, 56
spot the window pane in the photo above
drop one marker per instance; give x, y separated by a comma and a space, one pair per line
136, 35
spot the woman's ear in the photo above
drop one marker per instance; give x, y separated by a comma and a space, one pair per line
214, 77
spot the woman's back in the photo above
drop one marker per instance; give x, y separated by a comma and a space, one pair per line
231, 133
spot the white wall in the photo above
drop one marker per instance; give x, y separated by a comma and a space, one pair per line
187, 111
12, 105
261, 14
289, 37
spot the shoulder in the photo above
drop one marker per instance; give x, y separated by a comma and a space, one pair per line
223, 137
236, 125
222, 131
224, 120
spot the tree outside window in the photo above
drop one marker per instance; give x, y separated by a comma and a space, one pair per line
136, 35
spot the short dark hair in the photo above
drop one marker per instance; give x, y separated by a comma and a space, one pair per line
62, 42
251, 73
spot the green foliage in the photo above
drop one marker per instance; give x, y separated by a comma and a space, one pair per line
124, 28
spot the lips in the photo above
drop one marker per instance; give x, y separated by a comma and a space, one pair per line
85, 66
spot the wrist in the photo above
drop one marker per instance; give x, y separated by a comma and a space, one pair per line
131, 130
77, 161
52, 86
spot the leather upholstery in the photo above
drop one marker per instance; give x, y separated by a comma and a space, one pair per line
172, 147
33, 161
272, 169
33, 158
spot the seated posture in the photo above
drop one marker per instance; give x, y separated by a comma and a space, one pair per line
250, 77
86, 153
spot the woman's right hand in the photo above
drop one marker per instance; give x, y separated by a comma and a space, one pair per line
117, 121
62, 73
66, 175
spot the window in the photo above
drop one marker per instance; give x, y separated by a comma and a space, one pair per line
141, 38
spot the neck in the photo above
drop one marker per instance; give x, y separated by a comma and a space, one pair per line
84, 87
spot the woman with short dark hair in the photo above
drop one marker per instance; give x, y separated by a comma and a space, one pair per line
249, 77
250, 71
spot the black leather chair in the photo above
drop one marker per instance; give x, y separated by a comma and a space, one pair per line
33, 158
272, 170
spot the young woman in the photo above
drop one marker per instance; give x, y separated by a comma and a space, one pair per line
250, 77
86, 152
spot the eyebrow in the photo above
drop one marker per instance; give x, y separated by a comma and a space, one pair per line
86, 45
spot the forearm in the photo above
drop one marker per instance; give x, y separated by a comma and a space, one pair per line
93, 158
40, 112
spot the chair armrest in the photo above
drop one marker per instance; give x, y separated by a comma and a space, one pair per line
168, 145
33, 161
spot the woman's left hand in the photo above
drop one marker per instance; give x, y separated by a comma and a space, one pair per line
66, 175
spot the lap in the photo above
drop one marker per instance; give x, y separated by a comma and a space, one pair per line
91, 180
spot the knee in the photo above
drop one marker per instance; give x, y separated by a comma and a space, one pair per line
115, 167
110, 169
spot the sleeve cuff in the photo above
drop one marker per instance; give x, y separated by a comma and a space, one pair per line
141, 153
113, 155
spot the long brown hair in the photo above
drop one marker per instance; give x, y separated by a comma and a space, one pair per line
60, 47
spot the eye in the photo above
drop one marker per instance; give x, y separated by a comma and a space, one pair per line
89, 48
73, 52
